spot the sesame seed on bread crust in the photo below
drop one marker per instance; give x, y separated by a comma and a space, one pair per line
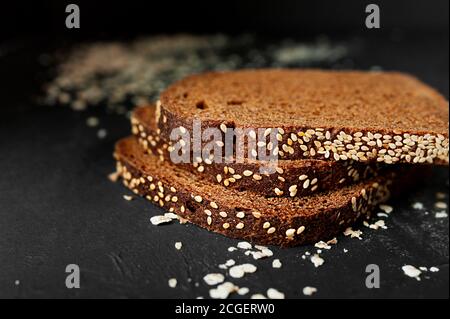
386, 117
291, 178
249, 216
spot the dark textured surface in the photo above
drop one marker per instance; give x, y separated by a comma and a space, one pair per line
57, 207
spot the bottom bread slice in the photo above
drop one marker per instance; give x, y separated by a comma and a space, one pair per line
249, 216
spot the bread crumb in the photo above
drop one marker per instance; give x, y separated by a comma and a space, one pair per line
322, 244
317, 260
434, 269
231, 249
178, 245
309, 291
353, 233
440, 195
128, 197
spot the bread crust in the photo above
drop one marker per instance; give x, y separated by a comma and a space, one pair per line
383, 117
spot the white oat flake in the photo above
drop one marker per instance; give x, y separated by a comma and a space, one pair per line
272, 293
309, 291
214, 279
276, 263
159, 219
411, 271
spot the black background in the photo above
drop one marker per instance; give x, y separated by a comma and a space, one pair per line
57, 207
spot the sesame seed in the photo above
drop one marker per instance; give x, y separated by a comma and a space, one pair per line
303, 177
247, 173
306, 184
198, 199
226, 225
290, 232
213, 205
209, 220
257, 177
300, 230
240, 215
278, 192
256, 214
266, 225
271, 230
219, 178
223, 214
240, 226
223, 127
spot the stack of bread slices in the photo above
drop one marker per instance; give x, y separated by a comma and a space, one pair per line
344, 142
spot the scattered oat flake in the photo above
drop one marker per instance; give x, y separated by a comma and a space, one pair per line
322, 244
240, 270
382, 215
440, 195
231, 249
440, 205
178, 245
244, 245
434, 269
92, 121
171, 216
172, 282
386, 208
353, 233
274, 294
411, 271
333, 241
230, 262
113, 177
159, 219
101, 133
214, 279
442, 214
222, 291
17, 282
345, 250
128, 197
309, 291
378, 224
276, 263
258, 296
417, 205
243, 291
317, 260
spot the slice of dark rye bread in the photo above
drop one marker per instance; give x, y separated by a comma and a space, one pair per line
291, 178
248, 216
332, 115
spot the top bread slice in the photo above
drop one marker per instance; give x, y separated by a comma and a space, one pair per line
331, 115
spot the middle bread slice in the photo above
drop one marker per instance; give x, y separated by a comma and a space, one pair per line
291, 178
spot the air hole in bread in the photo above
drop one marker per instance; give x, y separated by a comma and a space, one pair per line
235, 102
201, 105
191, 207
185, 95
